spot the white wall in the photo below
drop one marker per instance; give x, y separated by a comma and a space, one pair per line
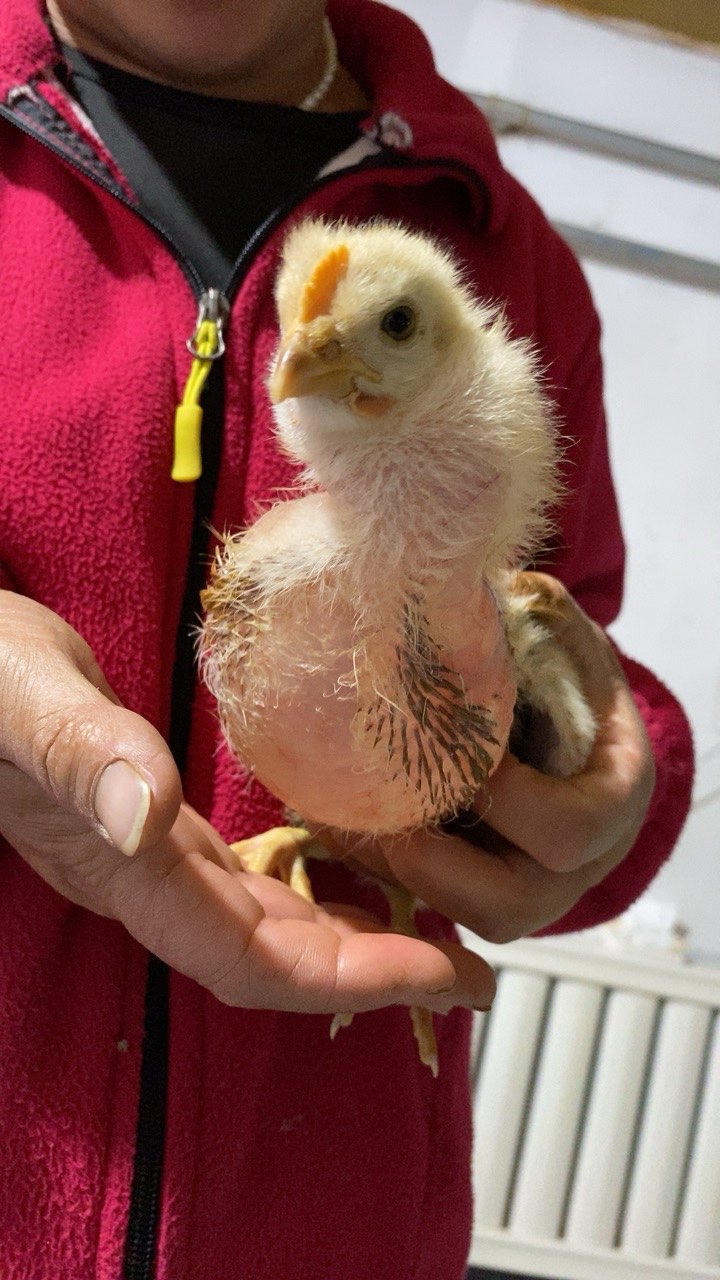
661, 343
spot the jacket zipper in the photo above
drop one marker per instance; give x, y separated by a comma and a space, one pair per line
206, 345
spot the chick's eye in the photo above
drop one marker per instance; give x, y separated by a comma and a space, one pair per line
399, 323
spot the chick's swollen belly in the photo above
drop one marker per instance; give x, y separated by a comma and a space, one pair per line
363, 722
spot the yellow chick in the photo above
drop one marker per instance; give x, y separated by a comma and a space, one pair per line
366, 641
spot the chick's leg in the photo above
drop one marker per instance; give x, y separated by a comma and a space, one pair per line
402, 920
281, 852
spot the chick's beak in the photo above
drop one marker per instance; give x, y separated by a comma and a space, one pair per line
316, 364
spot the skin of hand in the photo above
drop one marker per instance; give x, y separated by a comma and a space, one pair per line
75, 766
539, 842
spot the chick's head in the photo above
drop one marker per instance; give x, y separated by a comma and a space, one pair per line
403, 394
375, 323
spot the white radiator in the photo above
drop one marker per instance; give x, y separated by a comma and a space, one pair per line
597, 1117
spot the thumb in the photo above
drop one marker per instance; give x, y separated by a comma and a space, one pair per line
61, 725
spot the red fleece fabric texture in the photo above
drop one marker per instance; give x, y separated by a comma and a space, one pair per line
286, 1155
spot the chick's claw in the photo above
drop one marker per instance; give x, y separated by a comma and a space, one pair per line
424, 1032
340, 1020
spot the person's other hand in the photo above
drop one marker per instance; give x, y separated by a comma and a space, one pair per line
535, 844
91, 799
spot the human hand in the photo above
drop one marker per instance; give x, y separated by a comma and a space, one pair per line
535, 844
91, 798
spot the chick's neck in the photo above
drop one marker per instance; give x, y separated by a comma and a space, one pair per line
407, 524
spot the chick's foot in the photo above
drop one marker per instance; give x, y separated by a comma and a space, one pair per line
281, 852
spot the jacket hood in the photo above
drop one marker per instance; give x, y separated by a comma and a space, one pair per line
414, 109
415, 112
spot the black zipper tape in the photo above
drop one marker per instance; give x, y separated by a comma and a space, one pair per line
144, 1216
141, 1237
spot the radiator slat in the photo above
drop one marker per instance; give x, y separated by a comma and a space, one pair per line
654, 1185
698, 1239
508, 1059
598, 1186
560, 1088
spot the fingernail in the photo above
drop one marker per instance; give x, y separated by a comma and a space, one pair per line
442, 991
122, 802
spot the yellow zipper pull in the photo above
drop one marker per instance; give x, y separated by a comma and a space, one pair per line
206, 345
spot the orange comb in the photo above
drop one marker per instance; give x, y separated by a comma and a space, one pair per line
320, 288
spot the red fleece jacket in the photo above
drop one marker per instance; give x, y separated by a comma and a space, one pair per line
286, 1156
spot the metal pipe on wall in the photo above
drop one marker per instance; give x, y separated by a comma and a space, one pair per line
507, 117
633, 255
513, 117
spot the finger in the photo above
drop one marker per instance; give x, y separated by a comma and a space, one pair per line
205, 922
565, 823
499, 894
343, 967
66, 853
474, 982
61, 725
194, 834
474, 985
568, 823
